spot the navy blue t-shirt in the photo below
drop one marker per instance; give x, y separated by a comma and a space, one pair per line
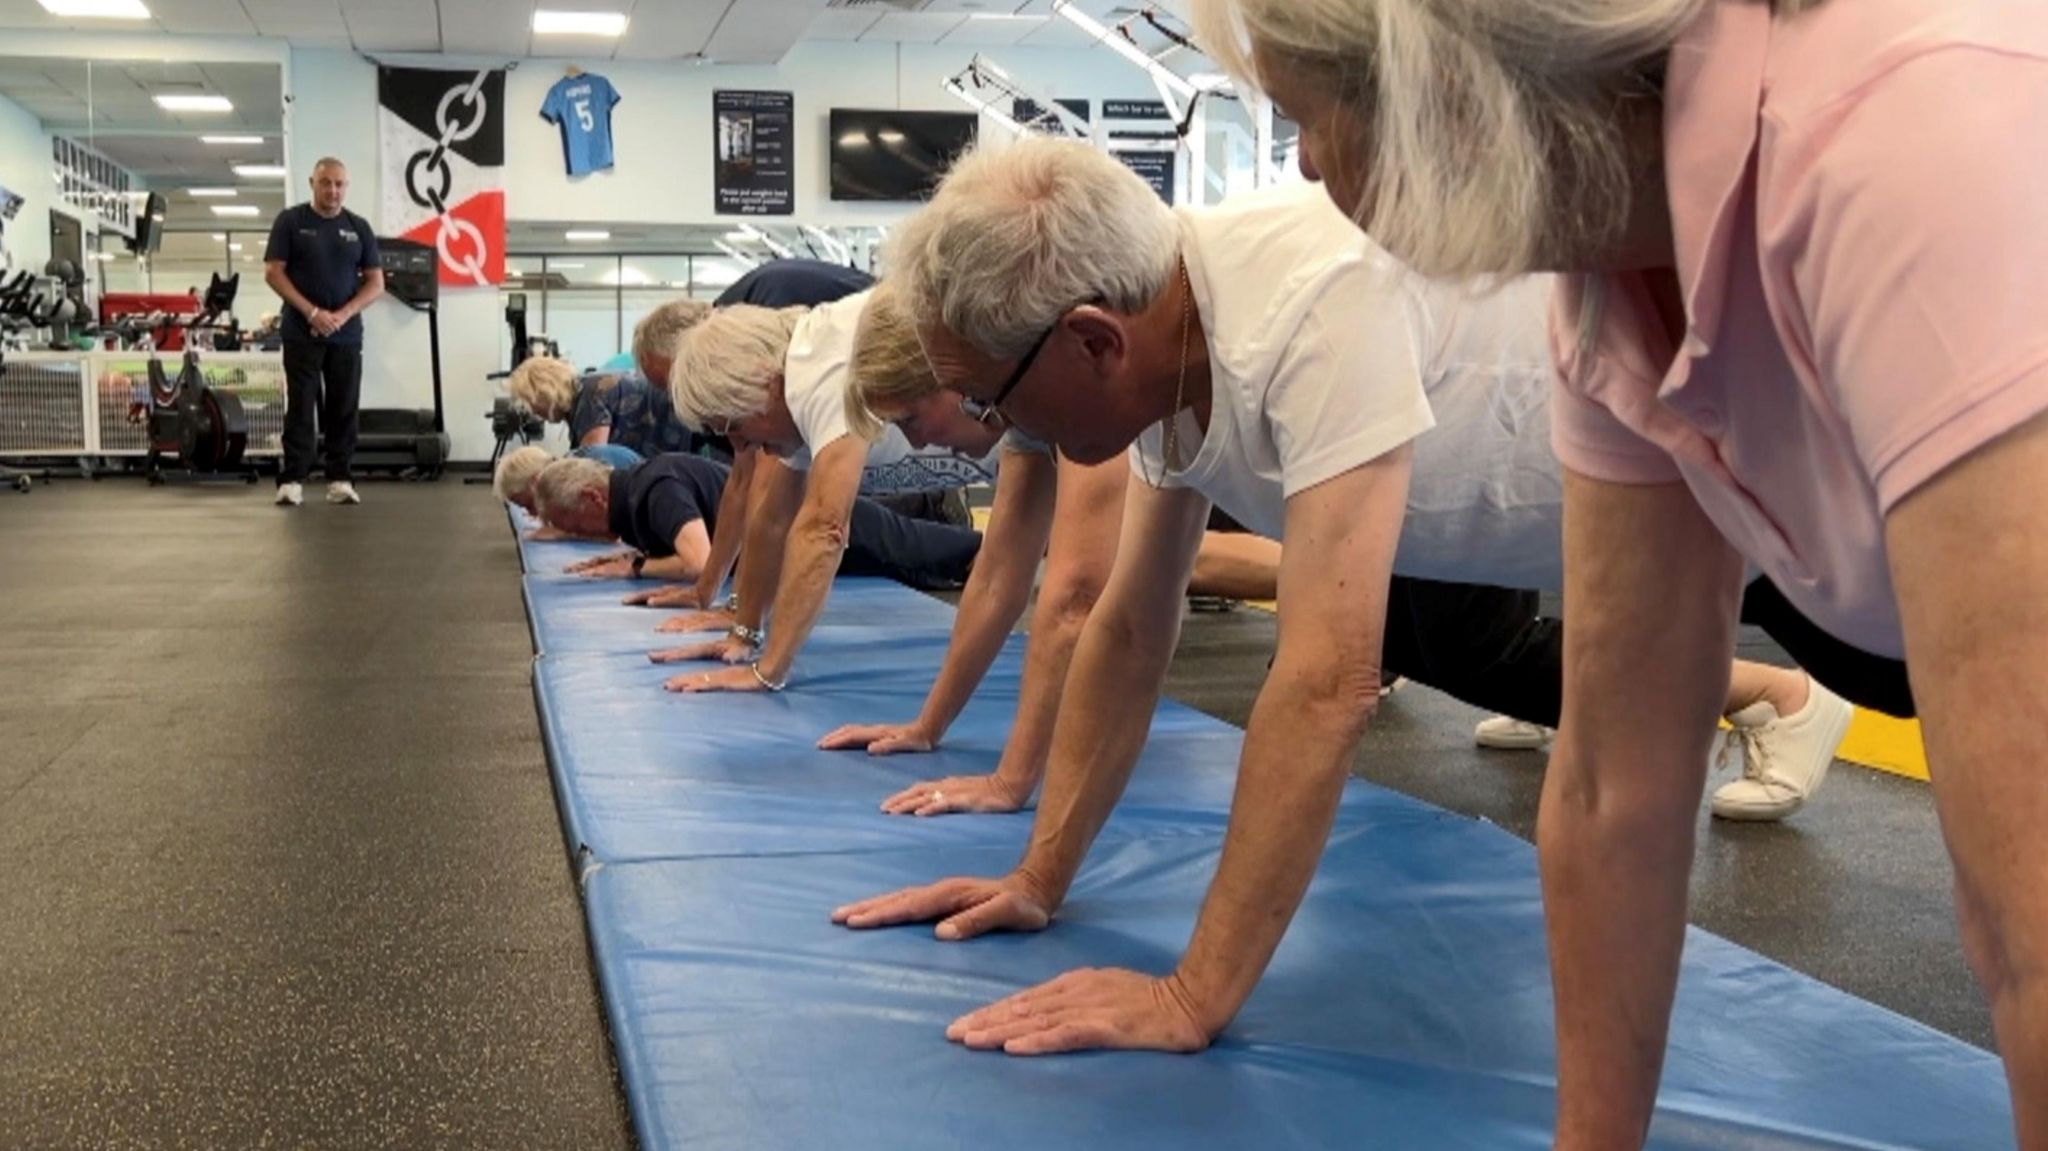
795, 283
325, 260
654, 501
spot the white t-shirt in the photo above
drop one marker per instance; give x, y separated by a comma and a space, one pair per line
1327, 353
814, 384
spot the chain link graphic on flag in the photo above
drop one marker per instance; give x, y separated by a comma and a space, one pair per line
433, 163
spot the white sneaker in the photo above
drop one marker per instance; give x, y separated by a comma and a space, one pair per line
290, 495
1509, 734
342, 492
1784, 758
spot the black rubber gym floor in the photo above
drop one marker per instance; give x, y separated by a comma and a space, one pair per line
284, 866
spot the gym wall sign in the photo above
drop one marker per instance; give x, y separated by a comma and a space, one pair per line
442, 140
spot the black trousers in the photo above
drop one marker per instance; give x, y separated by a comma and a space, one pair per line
917, 552
1488, 647
323, 390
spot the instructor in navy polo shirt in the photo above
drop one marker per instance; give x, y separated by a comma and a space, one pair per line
322, 261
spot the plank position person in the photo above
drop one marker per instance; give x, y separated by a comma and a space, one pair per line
1045, 506
775, 284
1801, 328
666, 511
775, 380
1483, 505
1260, 353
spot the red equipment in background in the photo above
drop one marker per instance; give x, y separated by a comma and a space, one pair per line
177, 311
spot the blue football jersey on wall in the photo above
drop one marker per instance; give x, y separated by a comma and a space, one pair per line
582, 106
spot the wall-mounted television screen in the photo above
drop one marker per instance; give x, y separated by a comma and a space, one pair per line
892, 155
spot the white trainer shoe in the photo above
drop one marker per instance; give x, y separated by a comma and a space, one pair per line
1784, 758
342, 492
290, 495
1510, 734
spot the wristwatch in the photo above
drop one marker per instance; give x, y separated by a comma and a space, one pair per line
749, 635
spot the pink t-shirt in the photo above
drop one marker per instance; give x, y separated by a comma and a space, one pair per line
1859, 197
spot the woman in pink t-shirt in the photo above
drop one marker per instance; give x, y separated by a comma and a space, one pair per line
1807, 330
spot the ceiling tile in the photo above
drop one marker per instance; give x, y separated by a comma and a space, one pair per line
202, 17
300, 21
914, 27
764, 32
392, 25
666, 29
486, 27
994, 33
841, 23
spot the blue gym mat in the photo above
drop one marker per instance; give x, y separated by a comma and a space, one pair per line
1409, 1006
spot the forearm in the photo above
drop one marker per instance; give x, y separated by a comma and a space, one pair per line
760, 569
810, 560
1055, 633
725, 543
289, 292
365, 295
675, 569
1650, 616
989, 607
1119, 668
1298, 751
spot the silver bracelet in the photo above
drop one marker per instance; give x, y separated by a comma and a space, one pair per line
763, 680
752, 636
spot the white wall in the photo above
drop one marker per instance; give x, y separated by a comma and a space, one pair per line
25, 171
662, 135
662, 128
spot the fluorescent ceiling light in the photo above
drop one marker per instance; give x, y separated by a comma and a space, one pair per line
234, 247
238, 140
210, 193
234, 209
103, 256
97, 9
260, 171
739, 237
590, 236
552, 23
193, 102
557, 266
220, 235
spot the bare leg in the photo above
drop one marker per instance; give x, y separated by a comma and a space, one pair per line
1235, 565
1783, 688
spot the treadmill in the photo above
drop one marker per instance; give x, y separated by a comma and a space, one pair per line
409, 443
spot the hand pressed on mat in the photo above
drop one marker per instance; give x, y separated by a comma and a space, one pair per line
1097, 1007
697, 621
725, 679
685, 596
584, 565
958, 793
965, 908
729, 650
879, 738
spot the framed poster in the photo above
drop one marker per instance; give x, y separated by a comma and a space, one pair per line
753, 137
1155, 167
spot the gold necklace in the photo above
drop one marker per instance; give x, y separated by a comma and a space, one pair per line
1171, 447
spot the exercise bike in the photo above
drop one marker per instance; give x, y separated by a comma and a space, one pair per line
202, 427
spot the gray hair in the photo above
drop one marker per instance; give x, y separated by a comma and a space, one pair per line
544, 384
517, 471
658, 331
1015, 236
562, 483
1494, 131
725, 365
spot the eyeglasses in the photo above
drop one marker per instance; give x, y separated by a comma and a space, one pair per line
985, 410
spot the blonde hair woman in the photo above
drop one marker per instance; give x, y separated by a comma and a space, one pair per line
1804, 330
620, 418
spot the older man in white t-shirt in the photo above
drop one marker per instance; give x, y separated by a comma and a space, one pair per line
775, 379
1262, 356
